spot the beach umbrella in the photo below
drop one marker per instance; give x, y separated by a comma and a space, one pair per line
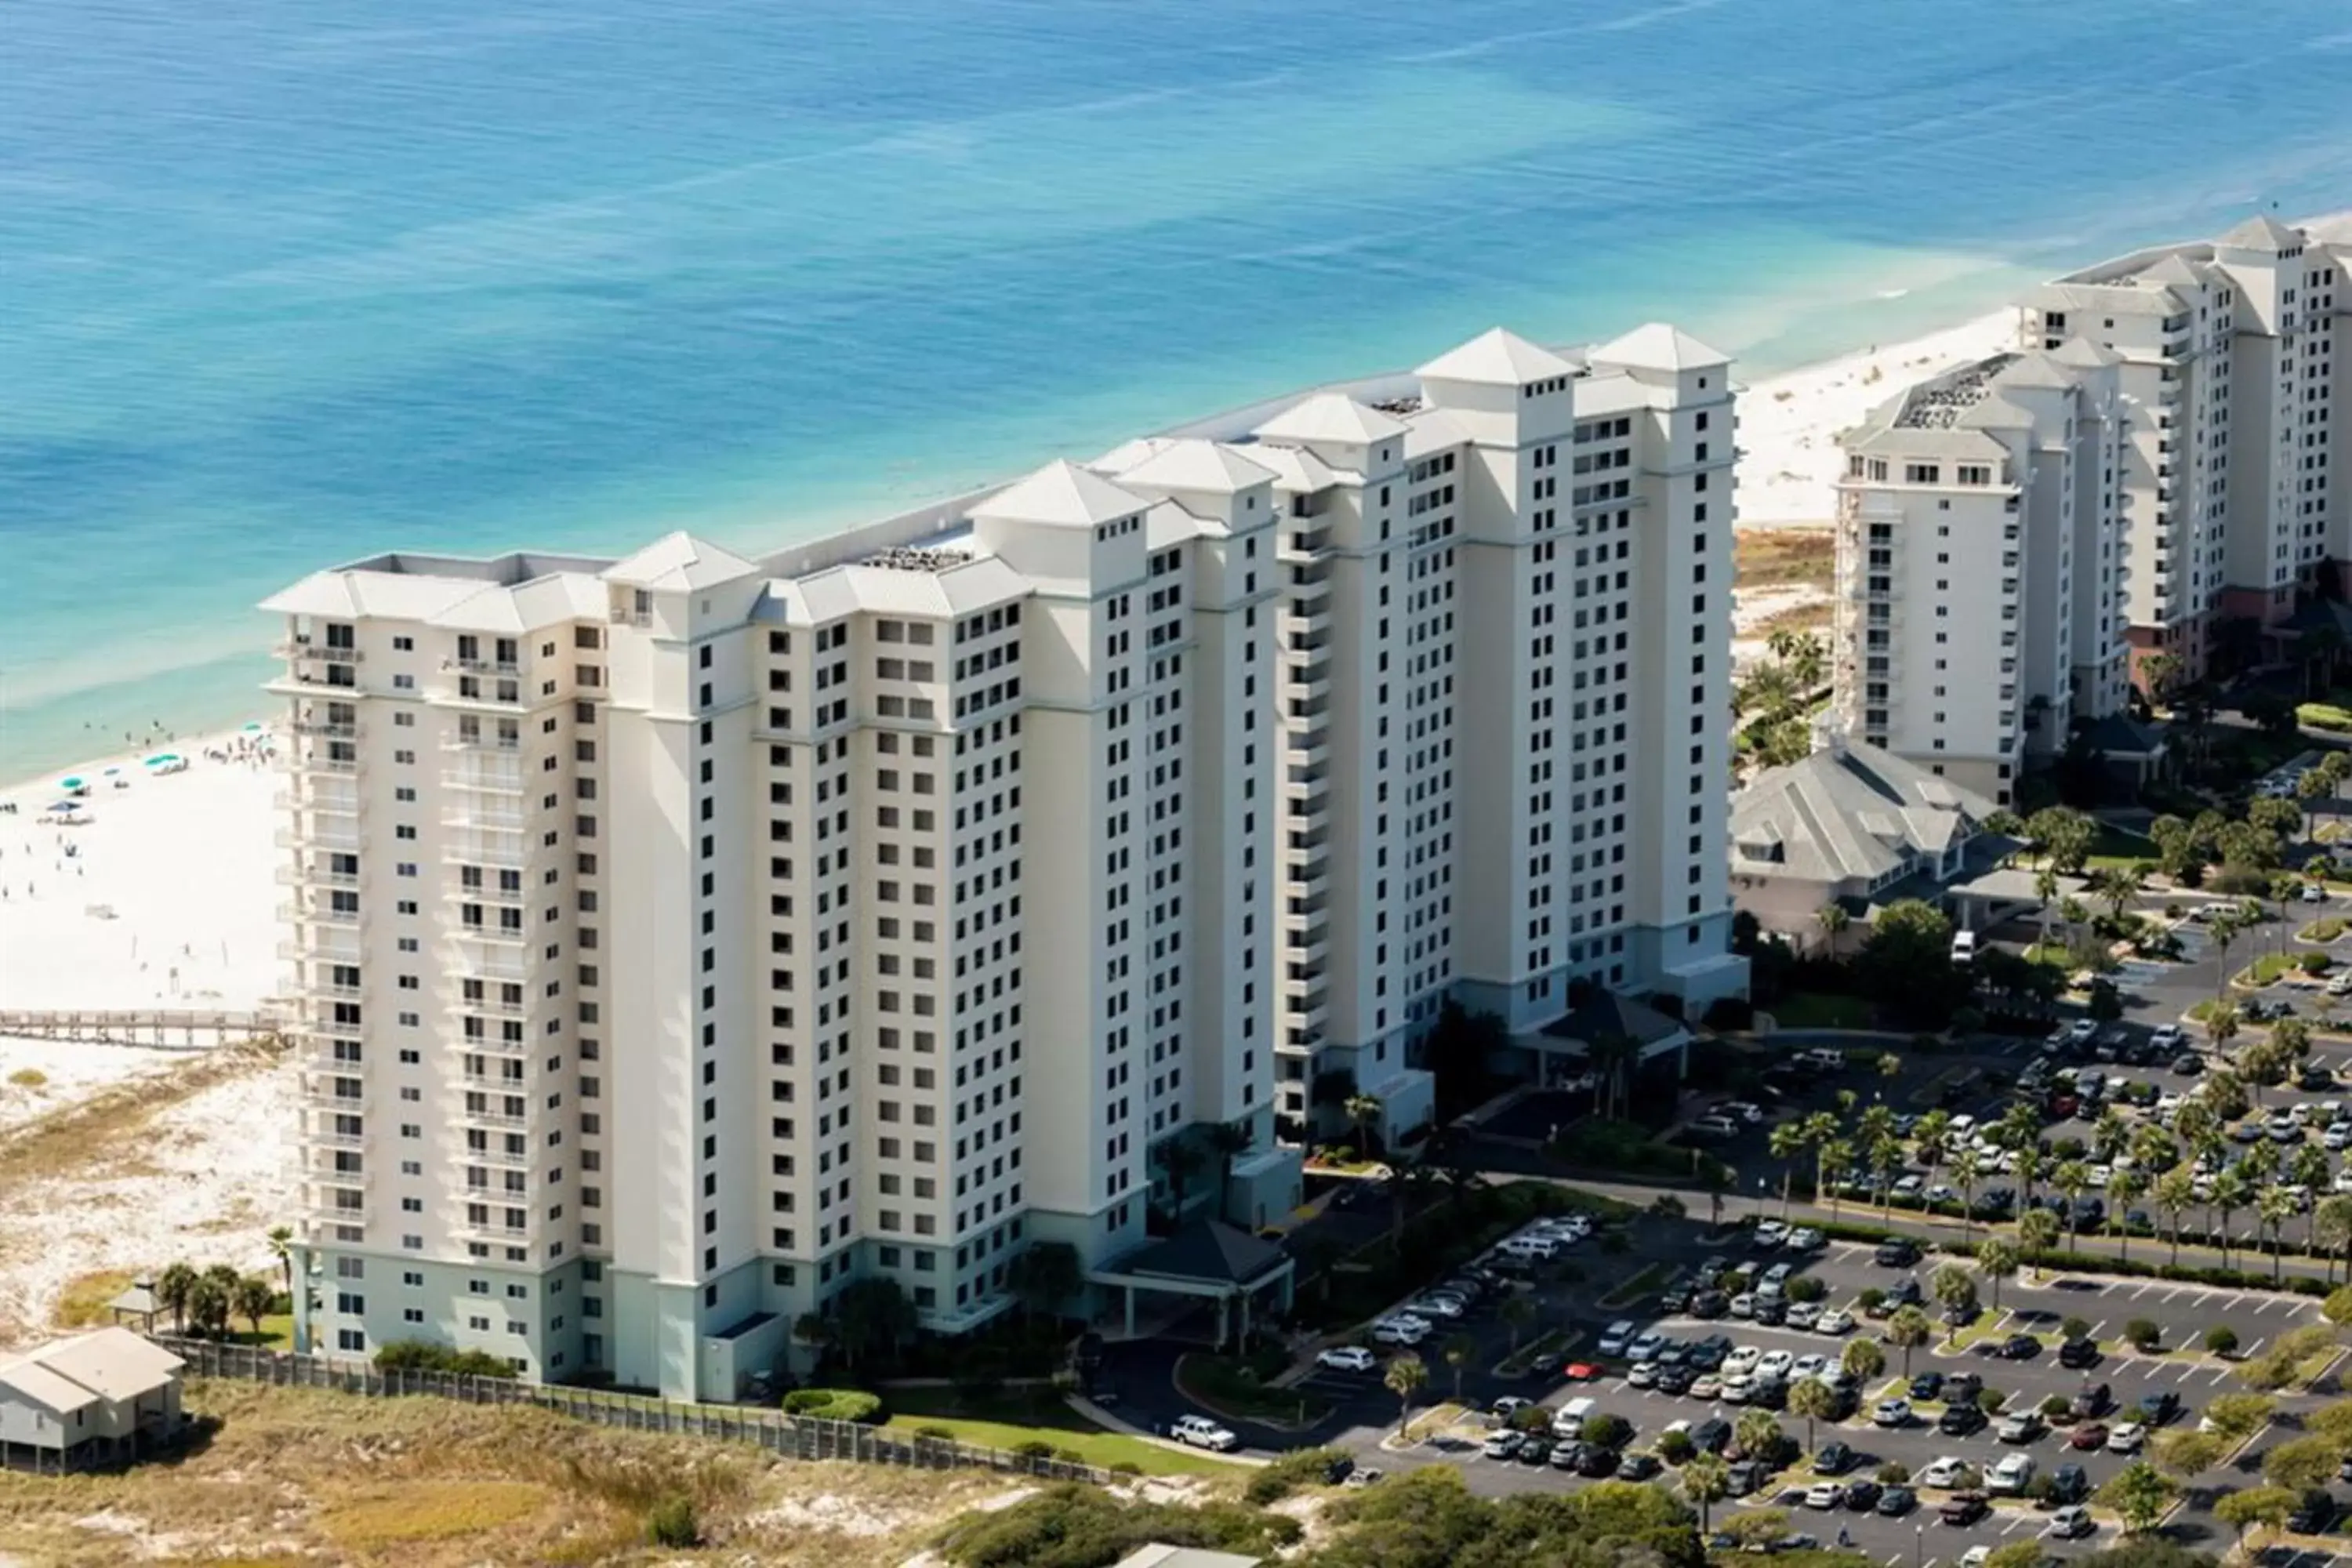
66, 806
111, 772
162, 759
252, 726
74, 783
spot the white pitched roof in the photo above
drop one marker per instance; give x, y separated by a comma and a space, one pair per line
1659, 346
109, 1363
1843, 814
2262, 233
1497, 357
1062, 493
45, 1388
2083, 351
341, 595
1331, 417
1209, 467
680, 562
1295, 468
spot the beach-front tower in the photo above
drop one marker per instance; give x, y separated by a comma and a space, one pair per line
1980, 565
2226, 352
683, 939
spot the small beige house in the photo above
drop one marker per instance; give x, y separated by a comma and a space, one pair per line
93, 1399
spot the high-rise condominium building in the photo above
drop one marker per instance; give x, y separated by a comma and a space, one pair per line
683, 938
1980, 565
2241, 417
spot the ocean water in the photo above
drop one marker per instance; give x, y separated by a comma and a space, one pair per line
284, 282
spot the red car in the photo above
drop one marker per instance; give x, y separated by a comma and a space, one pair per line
2089, 1434
1581, 1372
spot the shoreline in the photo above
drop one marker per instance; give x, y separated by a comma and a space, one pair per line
1788, 424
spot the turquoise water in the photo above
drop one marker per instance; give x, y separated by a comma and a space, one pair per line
286, 282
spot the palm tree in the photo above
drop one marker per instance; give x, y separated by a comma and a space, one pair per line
1759, 1435
2222, 933
1812, 1399
1788, 1142
2229, 1194
1863, 1359
1834, 920
1996, 1259
1836, 1157
1228, 1141
281, 1248
1178, 1159
2110, 1135
1458, 1350
2030, 1168
254, 1298
1611, 1054
2275, 1208
173, 1290
1518, 1315
209, 1304
1821, 1129
2222, 1025
1885, 1165
2073, 1179
1707, 1480
2331, 1224
2046, 888
2116, 886
1405, 1377
2125, 1188
1966, 1174
2037, 1231
1951, 1287
2176, 1190
1907, 1329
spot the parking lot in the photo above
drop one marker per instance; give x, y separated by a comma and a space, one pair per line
1367, 1412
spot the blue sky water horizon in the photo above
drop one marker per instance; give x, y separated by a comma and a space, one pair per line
288, 285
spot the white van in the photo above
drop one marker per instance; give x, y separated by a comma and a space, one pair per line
1964, 946
1568, 1420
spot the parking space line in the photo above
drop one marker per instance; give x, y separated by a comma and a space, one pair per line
2259, 1343
2144, 1291
2184, 1374
2096, 1328
2221, 1374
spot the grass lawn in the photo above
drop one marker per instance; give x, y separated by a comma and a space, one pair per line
2326, 930
2267, 968
1019, 1415
1820, 1010
1812, 617
2052, 953
2117, 846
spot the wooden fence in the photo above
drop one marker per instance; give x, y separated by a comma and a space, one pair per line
794, 1437
168, 1028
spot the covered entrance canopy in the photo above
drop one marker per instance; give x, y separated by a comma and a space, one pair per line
1209, 1259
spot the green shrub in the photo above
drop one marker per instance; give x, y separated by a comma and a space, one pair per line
671, 1522
416, 1355
2056, 1407
1675, 1447
941, 1434
1607, 1431
2314, 963
2221, 1339
1891, 1474
1034, 1448
2144, 1334
1806, 1287
1990, 1400
833, 1405
1126, 1467
1305, 1467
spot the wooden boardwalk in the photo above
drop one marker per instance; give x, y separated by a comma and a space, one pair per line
170, 1030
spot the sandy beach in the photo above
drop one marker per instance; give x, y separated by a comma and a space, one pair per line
168, 899
169, 896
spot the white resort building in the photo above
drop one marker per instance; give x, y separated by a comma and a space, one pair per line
1980, 565
683, 937
2241, 420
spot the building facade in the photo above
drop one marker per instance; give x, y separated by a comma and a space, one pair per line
2244, 416
1981, 564
681, 938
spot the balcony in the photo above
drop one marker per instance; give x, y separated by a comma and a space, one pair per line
492, 1083
321, 943
461, 891
330, 730
454, 997
506, 666
462, 813
296, 760
474, 691
315, 914
508, 850
314, 873
317, 801
490, 961
304, 649
501, 935
489, 1118
320, 1091
486, 777
474, 741
345, 836
331, 1136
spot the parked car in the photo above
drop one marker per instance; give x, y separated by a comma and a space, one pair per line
2069, 1483
2071, 1521
1616, 1337
2158, 1408
1897, 1252
1536, 1450
2126, 1438
1963, 1509
1824, 1494
2091, 1402
1891, 1413
2076, 1355
1505, 1444
1637, 1467
2012, 1476
2022, 1427
2090, 1437
2314, 1514
1836, 1320
1835, 1459
1346, 1358
1960, 1420
1897, 1501
1200, 1432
